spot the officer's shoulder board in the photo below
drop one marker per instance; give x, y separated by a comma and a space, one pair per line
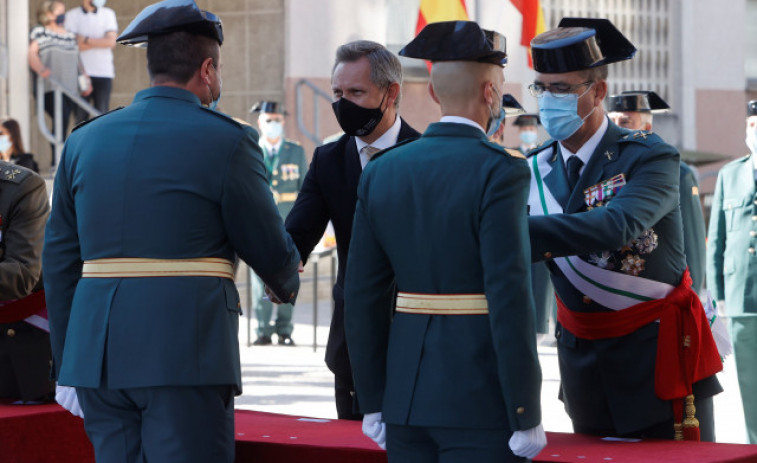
643, 137
10, 172
83, 123
384, 151
502, 150
541, 147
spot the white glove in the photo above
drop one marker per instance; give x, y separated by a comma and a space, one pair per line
66, 397
528, 443
374, 428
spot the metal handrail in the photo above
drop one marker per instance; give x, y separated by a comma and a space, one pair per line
56, 136
317, 93
313, 260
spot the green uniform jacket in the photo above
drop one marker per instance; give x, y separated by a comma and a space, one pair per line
609, 383
732, 239
163, 178
693, 226
23, 213
445, 214
286, 172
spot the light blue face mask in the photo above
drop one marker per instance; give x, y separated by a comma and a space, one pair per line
214, 103
98, 3
494, 122
528, 137
5, 143
559, 116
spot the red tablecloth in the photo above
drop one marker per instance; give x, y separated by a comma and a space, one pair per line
47, 433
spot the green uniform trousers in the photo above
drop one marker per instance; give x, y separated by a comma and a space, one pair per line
744, 337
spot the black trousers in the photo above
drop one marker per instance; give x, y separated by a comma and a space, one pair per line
66, 107
25, 359
99, 98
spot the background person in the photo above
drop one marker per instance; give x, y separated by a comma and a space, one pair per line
286, 167
454, 372
155, 358
12, 146
365, 82
54, 52
95, 28
634, 110
732, 263
605, 217
24, 340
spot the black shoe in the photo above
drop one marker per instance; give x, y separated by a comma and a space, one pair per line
263, 341
285, 340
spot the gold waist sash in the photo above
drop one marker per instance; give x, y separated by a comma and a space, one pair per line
442, 304
137, 267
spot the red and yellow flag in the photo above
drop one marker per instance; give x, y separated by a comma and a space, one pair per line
533, 23
432, 11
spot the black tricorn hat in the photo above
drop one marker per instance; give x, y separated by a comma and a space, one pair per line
268, 107
637, 101
525, 120
511, 106
457, 41
578, 44
751, 108
171, 16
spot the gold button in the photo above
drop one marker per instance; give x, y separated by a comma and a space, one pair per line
754, 217
751, 250
239, 304
275, 172
587, 300
753, 233
275, 182
547, 255
520, 410
11, 332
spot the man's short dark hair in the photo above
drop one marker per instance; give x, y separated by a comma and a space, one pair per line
178, 55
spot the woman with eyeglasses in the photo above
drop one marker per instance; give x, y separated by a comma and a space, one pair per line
12, 146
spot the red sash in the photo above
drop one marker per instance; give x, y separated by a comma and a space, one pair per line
686, 351
20, 309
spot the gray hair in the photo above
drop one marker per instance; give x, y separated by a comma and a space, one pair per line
385, 67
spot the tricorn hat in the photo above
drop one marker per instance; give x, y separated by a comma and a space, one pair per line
578, 44
268, 107
525, 120
511, 106
637, 101
171, 16
457, 41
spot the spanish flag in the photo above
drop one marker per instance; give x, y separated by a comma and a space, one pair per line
432, 11
533, 23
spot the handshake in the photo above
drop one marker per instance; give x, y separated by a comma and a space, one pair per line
270, 294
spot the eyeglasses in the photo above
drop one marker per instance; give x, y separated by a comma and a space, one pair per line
557, 90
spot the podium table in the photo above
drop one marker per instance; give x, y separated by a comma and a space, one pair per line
48, 433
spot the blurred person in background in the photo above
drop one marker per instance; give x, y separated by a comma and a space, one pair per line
12, 146
54, 52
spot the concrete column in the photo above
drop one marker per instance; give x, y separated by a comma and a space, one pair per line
19, 91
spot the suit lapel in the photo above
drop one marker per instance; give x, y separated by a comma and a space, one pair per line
598, 168
557, 178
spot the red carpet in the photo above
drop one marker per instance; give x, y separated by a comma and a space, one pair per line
49, 434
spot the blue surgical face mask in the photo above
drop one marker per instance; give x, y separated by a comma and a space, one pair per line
528, 137
272, 130
559, 116
5, 143
98, 3
751, 139
214, 102
495, 121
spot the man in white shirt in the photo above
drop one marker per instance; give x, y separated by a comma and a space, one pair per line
95, 27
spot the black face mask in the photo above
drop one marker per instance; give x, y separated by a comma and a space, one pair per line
60, 19
355, 120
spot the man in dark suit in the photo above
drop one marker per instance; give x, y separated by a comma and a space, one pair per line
365, 81
605, 217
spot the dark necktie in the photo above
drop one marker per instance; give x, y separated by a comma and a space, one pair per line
574, 169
